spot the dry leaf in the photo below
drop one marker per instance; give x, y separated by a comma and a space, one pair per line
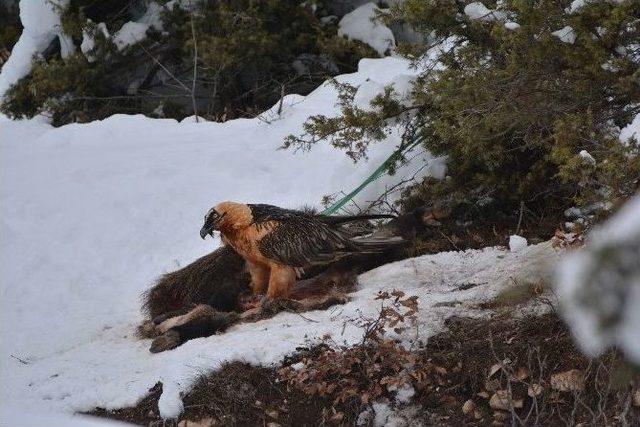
500, 400
534, 390
440, 370
500, 416
205, 422
468, 407
272, 413
449, 401
520, 374
572, 380
495, 368
492, 385
483, 394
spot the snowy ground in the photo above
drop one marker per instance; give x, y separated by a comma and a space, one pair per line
92, 213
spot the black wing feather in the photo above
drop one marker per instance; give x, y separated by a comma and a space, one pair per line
303, 238
299, 238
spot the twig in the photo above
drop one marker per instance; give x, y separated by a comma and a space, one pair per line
450, 241
24, 362
520, 216
305, 318
195, 68
166, 70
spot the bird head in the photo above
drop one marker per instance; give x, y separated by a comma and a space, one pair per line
212, 221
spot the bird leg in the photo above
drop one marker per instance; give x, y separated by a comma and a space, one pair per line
280, 281
259, 277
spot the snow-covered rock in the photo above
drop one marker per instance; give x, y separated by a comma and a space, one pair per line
599, 286
566, 35
361, 24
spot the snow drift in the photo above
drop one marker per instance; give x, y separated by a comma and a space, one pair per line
93, 213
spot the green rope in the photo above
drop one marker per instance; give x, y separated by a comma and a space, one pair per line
391, 160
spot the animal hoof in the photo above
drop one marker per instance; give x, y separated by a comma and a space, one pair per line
166, 341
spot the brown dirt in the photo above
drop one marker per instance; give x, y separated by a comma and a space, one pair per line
456, 364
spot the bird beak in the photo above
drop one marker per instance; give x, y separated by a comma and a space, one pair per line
206, 230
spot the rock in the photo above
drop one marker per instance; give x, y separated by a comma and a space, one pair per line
572, 380
500, 401
636, 398
468, 407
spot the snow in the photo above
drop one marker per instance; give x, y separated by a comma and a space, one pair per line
517, 243
587, 157
88, 39
509, 25
575, 6
405, 393
401, 84
92, 213
366, 92
599, 286
361, 24
478, 11
41, 24
29, 419
67, 47
632, 130
566, 35
153, 16
403, 88
130, 33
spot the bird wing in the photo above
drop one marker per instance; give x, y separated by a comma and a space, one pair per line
299, 239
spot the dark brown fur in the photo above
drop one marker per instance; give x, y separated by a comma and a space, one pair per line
216, 279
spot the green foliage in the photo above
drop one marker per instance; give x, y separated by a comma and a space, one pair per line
10, 26
513, 109
245, 61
